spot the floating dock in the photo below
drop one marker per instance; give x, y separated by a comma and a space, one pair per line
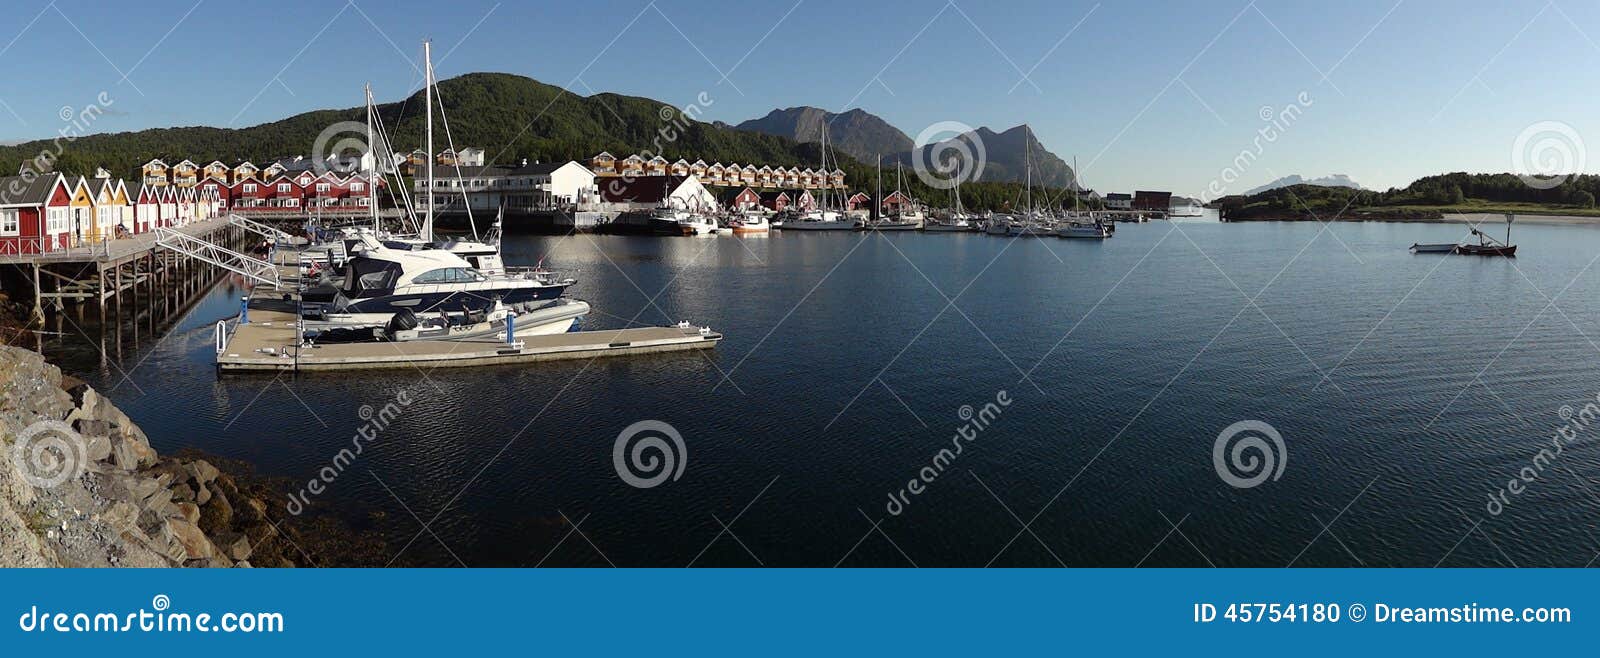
268, 342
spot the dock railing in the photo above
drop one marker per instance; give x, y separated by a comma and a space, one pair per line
255, 268
270, 232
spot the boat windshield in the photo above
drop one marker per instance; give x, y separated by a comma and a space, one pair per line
369, 274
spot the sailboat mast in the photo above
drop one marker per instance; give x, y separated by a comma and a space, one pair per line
1027, 158
427, 86
372, 168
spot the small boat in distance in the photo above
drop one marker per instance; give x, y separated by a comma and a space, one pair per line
1439, 248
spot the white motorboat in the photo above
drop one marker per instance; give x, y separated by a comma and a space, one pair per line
379, 282
1095, 230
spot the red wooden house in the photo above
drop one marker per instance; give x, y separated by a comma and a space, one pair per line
217, 189
35, 214
286, 194
742, 199
775, 201
858, 201
248, 193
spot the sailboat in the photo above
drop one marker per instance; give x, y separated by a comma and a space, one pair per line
822, 218
902, 219
1094, 229
387, 275
1031, 223
958, 221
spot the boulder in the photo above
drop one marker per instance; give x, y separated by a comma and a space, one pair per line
217, 515
195, 543
202, 495
190, 512
202, 471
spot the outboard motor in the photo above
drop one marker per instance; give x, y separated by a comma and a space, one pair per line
405, 320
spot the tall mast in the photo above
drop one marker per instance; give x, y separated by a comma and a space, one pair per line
427, 86
1027, 159
372, 169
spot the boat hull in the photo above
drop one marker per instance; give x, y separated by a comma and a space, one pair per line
1487, 250
1433, 248
818, 226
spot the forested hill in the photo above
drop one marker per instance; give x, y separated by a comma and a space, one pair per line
1425, 198
510, 116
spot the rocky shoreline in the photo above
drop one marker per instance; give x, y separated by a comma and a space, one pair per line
80, 486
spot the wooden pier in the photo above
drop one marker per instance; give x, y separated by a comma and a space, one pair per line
104, 272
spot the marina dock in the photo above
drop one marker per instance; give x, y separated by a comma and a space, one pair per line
268, 342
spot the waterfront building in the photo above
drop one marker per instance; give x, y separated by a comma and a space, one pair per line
526, 187
656, 166
858, 201
740, 198
1152, 201
775, 201
215, 171
185, 174
154, 172
33, 213
146, 209
644, 193
603, 164
679, 168
1119, 201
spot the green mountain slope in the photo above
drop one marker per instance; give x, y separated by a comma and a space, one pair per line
510, 116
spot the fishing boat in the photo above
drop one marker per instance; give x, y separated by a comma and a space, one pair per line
1487, 245
748, 222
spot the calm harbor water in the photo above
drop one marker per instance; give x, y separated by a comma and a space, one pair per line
849, 361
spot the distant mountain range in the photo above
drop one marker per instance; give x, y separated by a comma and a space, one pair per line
1332, 180
864, 136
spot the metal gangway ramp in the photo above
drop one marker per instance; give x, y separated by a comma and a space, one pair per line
218, 255
270, 232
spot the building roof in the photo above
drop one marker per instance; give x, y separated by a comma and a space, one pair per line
728, 194
451, 172
640, 189
20, 191
543, 168
769, 197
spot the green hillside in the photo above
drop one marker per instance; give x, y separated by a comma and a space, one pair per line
1426, 198
512, 117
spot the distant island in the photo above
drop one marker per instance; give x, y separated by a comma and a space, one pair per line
1429, 199
1332, 180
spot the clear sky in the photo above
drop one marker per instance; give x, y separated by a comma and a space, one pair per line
1150, 95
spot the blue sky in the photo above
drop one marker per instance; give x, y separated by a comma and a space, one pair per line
1151, 95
